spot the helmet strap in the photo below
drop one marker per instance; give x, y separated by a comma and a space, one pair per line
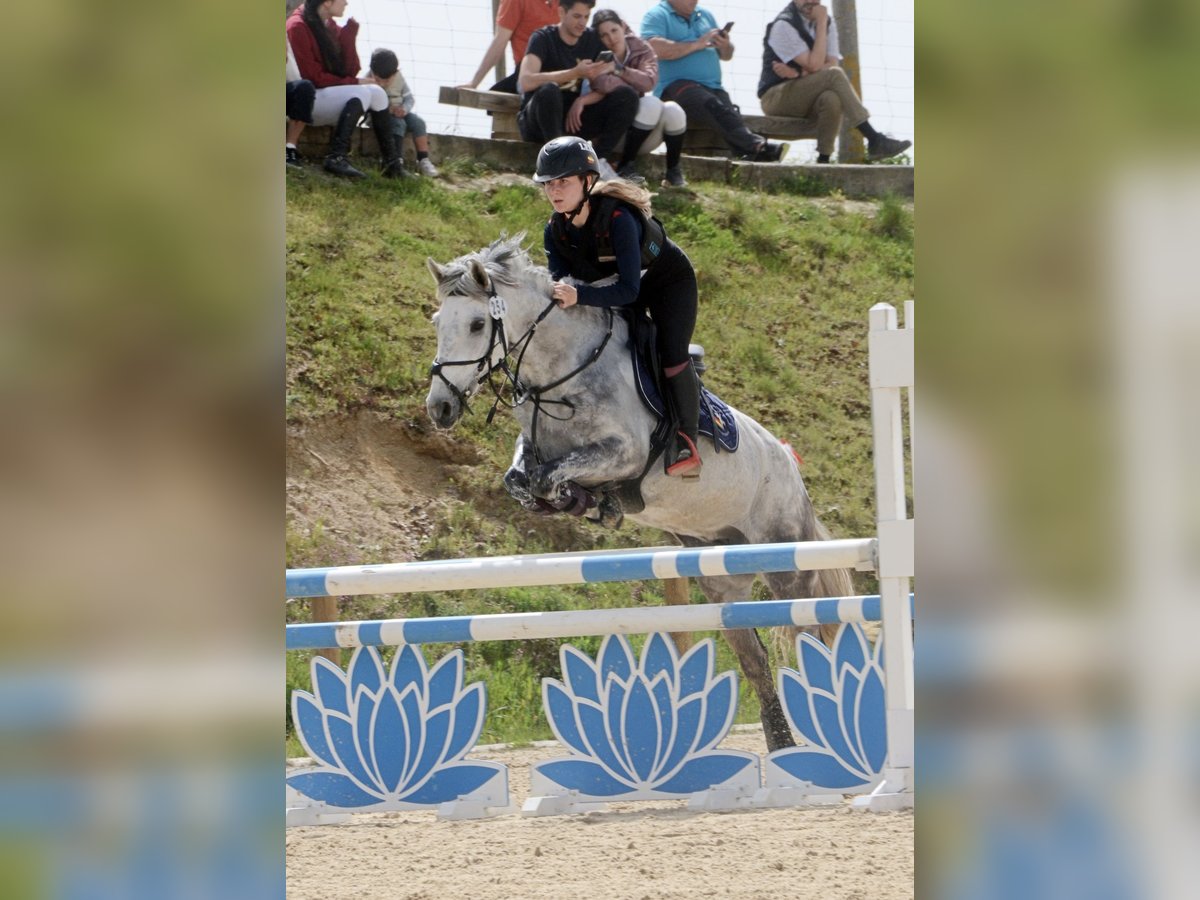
587, 193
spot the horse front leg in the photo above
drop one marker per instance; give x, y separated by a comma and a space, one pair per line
516, 479
609, 459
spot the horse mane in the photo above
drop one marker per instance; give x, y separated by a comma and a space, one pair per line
505, 261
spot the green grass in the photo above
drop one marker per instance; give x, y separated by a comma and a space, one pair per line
785, 286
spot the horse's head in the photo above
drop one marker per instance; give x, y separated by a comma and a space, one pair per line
469, 331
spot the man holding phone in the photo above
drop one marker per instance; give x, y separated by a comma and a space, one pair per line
690, 49
801, 78
559, 61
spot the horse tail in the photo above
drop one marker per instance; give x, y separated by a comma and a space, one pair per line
829, 583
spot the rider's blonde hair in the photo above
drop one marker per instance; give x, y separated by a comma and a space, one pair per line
627, 193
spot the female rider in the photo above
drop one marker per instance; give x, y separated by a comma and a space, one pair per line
637, 66
568, 170
326, 56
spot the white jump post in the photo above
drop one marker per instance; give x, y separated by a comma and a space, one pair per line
891, 373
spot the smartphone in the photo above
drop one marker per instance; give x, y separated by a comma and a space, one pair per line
604, 56
728, 26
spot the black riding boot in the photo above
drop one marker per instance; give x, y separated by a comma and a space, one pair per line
634, 138
685, 395
339, 146
389, 149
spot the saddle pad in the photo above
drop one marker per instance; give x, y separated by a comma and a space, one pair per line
716, 418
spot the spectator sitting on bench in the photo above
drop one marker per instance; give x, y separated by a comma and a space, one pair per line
516, 20
801, 77
690, 49
326, 56
298, 109
560, 58
385, 72
637, 66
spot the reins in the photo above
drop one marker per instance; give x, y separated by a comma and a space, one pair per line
486, 369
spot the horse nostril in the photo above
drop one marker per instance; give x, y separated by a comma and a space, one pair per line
445, 411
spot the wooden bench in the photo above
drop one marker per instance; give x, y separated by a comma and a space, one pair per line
503, 109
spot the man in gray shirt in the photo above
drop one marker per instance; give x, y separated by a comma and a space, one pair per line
801, 78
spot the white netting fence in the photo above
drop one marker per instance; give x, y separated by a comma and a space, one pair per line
441, 43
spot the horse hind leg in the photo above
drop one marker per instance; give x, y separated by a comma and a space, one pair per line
801, 586
752, 657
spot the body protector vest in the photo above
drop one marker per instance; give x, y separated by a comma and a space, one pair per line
768, 79
593, 257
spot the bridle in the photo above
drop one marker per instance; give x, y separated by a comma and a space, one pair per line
485, 369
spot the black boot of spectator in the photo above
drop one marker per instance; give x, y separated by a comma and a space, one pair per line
339, 146
393, 163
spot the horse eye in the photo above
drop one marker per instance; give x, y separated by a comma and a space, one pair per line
477, 326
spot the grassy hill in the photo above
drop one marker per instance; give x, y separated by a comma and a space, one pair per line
785, 285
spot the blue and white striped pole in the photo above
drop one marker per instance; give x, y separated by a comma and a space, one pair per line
579, 623
581, 568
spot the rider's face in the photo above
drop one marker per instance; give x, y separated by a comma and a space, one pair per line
564, 194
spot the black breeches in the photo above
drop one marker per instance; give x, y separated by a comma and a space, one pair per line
672, 305
543, 117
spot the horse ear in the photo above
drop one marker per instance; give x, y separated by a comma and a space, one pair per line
434, 269
479, 273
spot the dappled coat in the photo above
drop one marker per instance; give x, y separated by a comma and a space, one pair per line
641, 69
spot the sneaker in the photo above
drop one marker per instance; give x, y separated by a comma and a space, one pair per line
339, 165
291, 157
426, 167
607, 172
767, 151
885, 147
674, 178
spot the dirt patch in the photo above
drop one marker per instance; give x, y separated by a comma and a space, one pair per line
628, 850
364, 486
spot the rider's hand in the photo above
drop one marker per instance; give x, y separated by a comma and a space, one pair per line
565, 295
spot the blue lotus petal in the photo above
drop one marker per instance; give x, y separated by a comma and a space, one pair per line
848, 692
600, 745
580, 674
872, 720
696, 668
445, 680
815, 662
849, 649
364, 715
641, 730
468, 720
829, 719
408, 668
687, 723
366, 671
821, 769
310, 725
345, 747
437, 733
414, 724
560, 709
450, 783
615, 658
704, 772
390, 740
332, 788
794, 693
718, 710
658, 655
664, 703
614, 705
330, 684
584, 776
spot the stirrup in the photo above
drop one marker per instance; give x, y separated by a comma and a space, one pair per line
686, 466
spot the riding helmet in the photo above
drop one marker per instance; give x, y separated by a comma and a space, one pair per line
563, 156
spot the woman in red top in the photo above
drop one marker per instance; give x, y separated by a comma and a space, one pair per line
326, 56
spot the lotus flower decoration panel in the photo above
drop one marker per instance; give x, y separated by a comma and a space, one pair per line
394, 739
641, 728
835, 702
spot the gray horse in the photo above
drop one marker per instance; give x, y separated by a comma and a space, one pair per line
583, 424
